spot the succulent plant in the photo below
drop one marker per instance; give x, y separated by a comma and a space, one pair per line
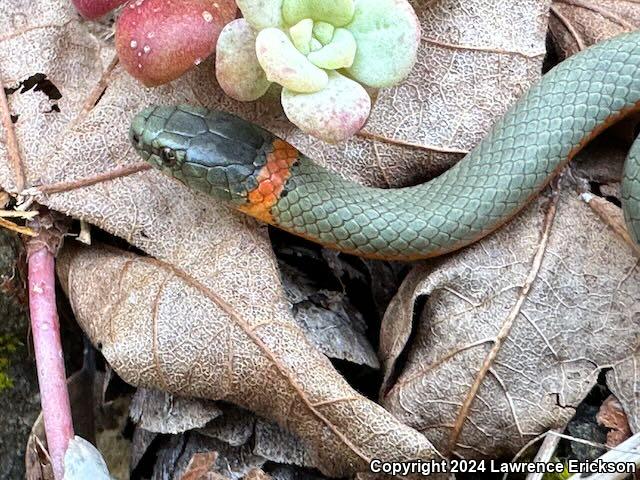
322, 54
159, 40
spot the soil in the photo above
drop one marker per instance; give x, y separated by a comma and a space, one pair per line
19, 399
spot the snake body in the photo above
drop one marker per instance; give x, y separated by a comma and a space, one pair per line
258, 173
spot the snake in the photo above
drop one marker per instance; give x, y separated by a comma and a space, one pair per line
263, 176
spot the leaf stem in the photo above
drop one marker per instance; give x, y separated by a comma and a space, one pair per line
13, 152
54, 397
94, 179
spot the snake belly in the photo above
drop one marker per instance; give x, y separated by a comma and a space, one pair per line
265, 177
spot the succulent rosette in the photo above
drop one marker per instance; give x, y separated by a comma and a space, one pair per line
322, 53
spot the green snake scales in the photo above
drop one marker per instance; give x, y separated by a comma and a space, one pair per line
241, 163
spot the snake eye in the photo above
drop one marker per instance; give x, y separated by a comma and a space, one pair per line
169, 157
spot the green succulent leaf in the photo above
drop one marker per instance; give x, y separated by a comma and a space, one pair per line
285, 65
337, 54
333, 114
301, 34
323, 32
237, 68
387, 33
315, 45
300, 44
261, 13
336, 12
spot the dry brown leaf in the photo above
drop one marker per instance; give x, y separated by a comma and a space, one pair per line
259, 362
200, 466
231, 463
256, 474
328, 319
514, 331
234, 426
624, 382
280, 446
142, 440
576, 24
160, 412
612, 416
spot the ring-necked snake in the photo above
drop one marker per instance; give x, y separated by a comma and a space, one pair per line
263, 176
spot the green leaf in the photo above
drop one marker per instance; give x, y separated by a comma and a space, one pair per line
285, 65
301, 35
237, 68
336, 12
387, 33
332, 114
323, 32
261, 13
337, 54
315, 45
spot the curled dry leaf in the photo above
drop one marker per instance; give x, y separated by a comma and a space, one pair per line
231, 463
160, 412
234, 426
624, 382
237, 427
277, 445
328, 318
160, 327
612, 416
514, 331
576, 24
200, 466
257, 474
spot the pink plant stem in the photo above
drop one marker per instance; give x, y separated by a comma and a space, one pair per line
45, 325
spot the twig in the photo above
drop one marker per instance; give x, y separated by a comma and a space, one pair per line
16, 228
96, 92
54, 397
525, 448
94, 179
18, 214
506, 326
13, 151
545, 453
611, 215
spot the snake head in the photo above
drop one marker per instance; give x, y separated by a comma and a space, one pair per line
211, 151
